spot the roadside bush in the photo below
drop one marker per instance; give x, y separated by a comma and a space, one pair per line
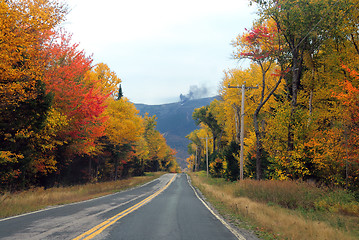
338, 201
288, 194
295, 194
217, 168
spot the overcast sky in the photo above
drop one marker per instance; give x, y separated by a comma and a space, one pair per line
160, 48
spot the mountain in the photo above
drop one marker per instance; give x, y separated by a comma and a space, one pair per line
174, 121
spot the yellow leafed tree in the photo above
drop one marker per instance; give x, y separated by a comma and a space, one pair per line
124, 125
104, 79
25, 28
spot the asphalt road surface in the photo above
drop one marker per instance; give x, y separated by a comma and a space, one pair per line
166, 208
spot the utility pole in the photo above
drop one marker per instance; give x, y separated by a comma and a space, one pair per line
206, 152
196, 160
244, 87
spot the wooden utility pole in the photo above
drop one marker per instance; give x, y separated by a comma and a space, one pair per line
207, 152
244, 87
196, 161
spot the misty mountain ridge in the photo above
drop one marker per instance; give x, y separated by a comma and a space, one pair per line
174, 121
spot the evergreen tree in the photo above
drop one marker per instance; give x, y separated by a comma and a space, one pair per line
232, 171
120, 94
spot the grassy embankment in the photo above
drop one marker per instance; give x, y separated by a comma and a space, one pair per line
283, 210
12, 204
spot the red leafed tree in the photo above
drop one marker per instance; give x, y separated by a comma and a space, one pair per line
258, 43
82, 104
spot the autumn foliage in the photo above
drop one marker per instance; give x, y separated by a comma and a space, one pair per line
349, 98
258, 43
62, 121
82, 105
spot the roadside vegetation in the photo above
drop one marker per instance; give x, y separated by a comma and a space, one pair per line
38, 198
301, 103
298, 134
283, 209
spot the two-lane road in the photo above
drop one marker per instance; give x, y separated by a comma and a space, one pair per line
166, 208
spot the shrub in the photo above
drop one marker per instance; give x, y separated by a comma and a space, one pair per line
231, 156
295, 195
217, 168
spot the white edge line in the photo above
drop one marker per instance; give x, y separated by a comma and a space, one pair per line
70, 204
235, 233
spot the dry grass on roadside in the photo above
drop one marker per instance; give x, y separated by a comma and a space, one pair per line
12, 204
280, 223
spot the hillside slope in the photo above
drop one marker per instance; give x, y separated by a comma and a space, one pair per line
175, 122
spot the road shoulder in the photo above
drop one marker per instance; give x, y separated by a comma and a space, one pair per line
240, 233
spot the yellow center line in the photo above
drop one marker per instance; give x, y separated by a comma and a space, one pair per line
102, 226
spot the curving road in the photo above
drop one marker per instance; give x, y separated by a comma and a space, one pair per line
166, 208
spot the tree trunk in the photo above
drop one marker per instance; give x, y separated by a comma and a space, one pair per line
199, 158
310, 103
90, 177
296, 74
354, 43
258, 146
116, 169
214, 143
96, 174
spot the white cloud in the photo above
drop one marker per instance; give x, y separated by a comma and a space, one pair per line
160, 47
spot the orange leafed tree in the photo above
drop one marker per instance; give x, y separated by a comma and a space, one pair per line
350, 99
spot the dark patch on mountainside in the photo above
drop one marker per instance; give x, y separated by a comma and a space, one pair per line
174, 121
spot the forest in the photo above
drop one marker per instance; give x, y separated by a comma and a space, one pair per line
301, 119
63, 119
